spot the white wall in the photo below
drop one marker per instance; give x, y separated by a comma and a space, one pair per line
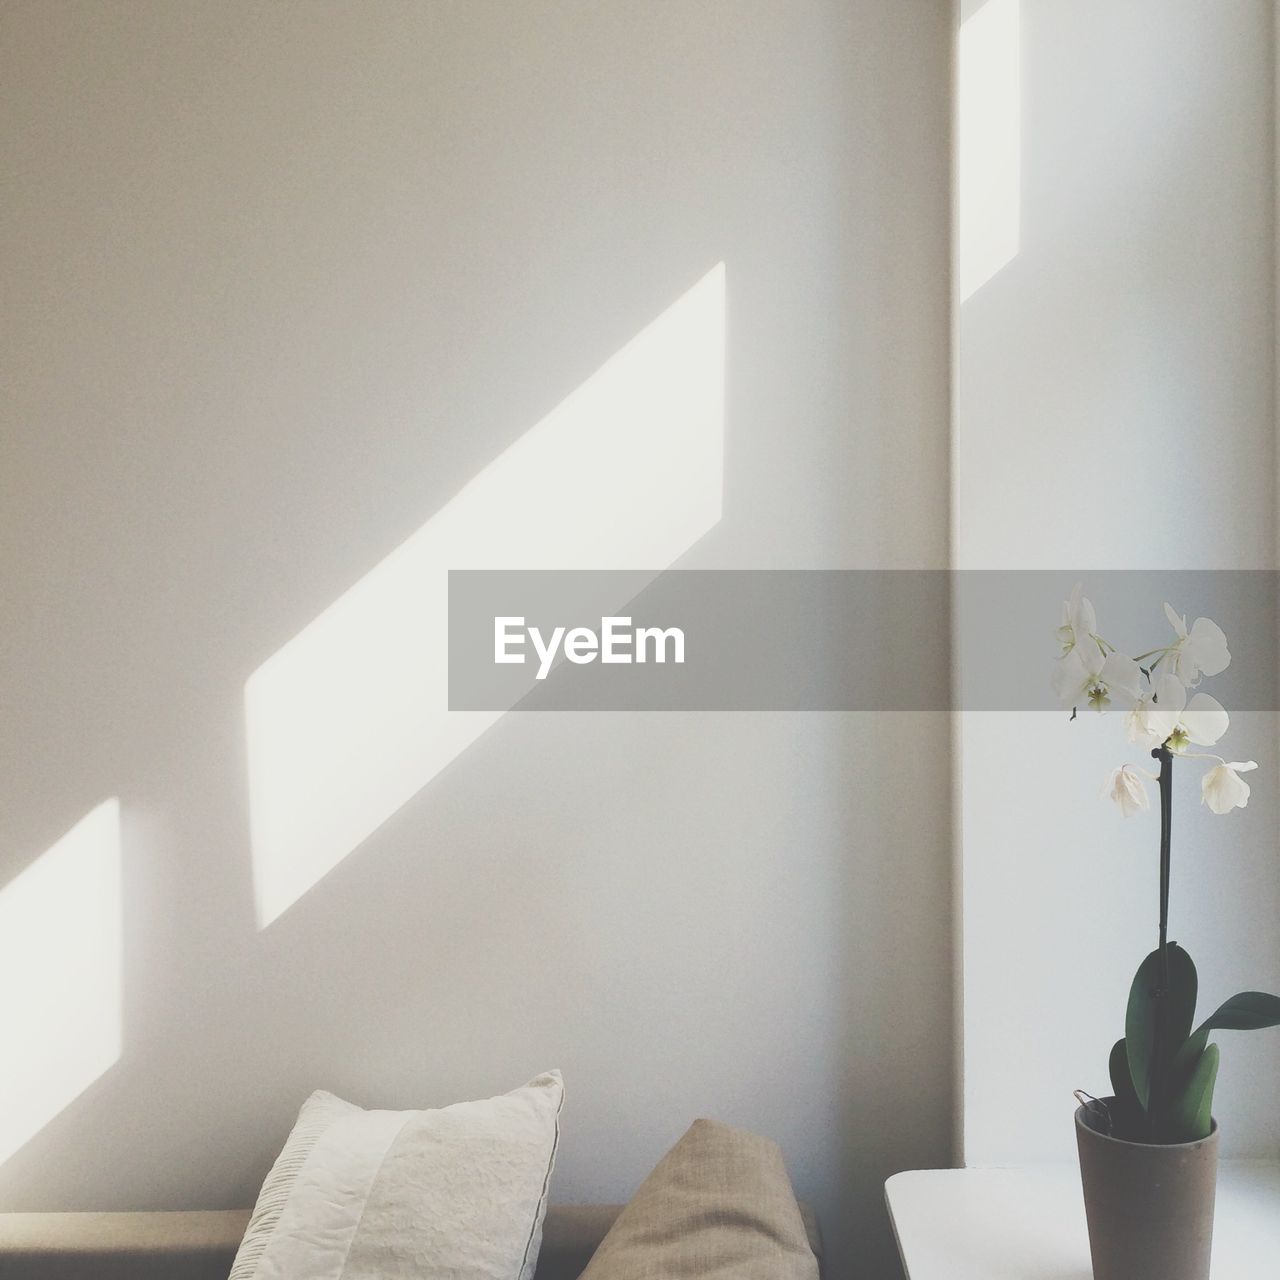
1114, 409
280, 280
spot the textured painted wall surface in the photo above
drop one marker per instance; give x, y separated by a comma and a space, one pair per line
1115, 410
281, 280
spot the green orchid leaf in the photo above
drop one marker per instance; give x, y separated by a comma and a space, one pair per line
1128, 1120
1121, 1082
1143, 1017
1191, 1112
1188, 1057
1248, 1011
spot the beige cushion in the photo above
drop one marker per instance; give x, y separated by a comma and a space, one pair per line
460, 1191
719, 1204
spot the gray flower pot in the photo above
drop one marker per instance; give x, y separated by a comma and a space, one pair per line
1150, 1208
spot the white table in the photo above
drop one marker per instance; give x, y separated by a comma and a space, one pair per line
1028, 1224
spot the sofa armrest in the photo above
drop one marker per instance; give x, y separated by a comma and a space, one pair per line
120, 1246
201, 1245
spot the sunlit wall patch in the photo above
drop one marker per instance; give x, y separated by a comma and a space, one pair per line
351, 717
988, 143
61, 1002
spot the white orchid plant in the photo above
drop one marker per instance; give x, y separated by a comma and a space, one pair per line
1164, 1069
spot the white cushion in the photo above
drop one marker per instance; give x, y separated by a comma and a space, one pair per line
398, 1195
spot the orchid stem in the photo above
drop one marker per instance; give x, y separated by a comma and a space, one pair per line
1165, 757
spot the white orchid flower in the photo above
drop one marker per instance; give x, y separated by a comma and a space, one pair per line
1071, 674
1202, 650
1165, 717
1126, 787
1203, 722
1223, 789
1154, 716
1085, 675
1079, 622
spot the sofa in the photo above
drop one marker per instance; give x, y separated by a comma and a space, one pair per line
201, 1245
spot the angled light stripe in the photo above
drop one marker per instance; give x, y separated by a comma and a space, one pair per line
350, 718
